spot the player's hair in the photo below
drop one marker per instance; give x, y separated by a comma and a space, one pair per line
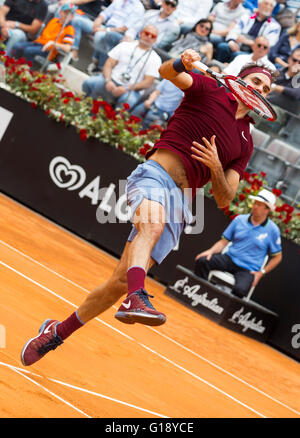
274, 73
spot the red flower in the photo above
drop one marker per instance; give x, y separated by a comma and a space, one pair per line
47, 112
233, 216
134, 119
287, 231
58, 65
263, 174
67, 94
116, 131
277, 192
83, 134
61, 118
242, 197
33, 105
143, 151
126, 106
66, 101
288, 208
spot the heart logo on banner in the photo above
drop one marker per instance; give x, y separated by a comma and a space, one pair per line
66, 175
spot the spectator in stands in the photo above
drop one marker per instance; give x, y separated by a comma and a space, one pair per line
288, 40
241, 37
160, 105
294, 6
259, 55
164, 20
20, 20
151, 4
252, 237
58, 34
110, 27
252, 5
288, 83
130, 69
87, 11
90, 7
197, 39
224, 16
189, 12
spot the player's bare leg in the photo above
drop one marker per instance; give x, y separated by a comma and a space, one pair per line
149, 221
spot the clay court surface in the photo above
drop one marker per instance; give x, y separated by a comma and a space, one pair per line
188, 368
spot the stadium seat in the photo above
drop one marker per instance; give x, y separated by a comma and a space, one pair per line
283, 150
291, 185
291, 132
260, 138
271, 164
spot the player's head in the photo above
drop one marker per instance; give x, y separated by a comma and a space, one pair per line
258, 77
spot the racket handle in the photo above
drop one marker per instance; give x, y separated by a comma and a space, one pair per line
200, 66
206, 70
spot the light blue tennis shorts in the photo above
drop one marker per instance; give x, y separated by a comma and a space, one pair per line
149, 180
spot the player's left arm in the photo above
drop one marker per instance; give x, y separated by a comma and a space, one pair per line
224, 183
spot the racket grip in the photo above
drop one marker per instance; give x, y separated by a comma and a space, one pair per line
200, 66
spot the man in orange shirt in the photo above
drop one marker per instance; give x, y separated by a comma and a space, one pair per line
58, 34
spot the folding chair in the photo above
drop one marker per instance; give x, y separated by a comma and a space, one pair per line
226, 280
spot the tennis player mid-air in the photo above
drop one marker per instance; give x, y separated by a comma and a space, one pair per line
208, 138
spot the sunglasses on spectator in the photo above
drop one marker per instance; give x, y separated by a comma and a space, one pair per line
149, 34
262, 46
208, 28
170, 4
295, 60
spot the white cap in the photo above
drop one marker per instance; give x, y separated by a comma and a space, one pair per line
265, 196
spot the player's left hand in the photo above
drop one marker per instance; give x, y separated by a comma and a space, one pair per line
207, 153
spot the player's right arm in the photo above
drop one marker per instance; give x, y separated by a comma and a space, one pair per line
181, 79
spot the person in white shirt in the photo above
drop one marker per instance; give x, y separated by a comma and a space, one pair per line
224, 16
260, 50
164, 20
130, 69
189, 12
241, 37
110, 26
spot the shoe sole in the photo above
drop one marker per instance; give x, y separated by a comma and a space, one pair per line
141, 318
28, 342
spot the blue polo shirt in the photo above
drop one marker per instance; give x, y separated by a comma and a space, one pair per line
250, 244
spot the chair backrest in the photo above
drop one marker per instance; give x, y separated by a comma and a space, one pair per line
284, 151
260, 138
270, 163
291, 183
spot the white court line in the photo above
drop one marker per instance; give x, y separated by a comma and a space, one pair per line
97, 394
47, 390
156, 331
142, 345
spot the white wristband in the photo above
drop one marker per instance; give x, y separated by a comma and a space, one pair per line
17, 24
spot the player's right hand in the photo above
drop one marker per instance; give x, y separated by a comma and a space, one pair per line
188, 57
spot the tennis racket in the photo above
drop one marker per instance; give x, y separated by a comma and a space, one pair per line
244, 92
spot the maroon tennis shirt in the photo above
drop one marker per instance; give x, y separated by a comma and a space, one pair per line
207, 110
